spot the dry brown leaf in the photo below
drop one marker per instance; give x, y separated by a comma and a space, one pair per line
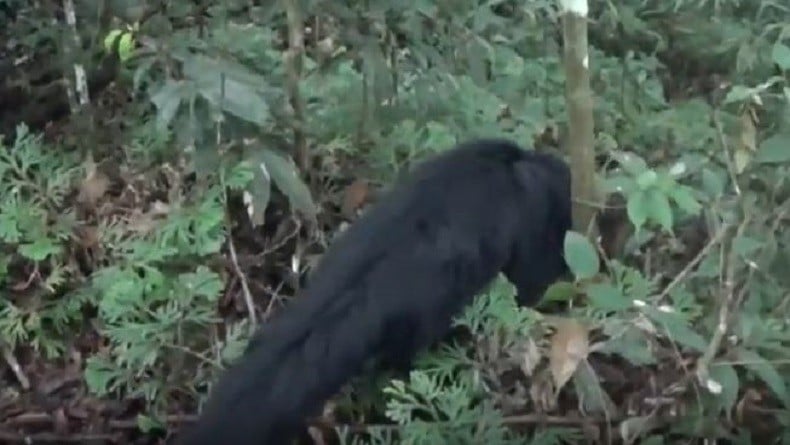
92, 188
87, 236
569, 346
355, 196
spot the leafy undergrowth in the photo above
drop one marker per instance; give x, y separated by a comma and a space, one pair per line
122, 293
115, 280
108, 275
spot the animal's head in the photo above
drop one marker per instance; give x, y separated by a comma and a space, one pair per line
538, 257
555, 178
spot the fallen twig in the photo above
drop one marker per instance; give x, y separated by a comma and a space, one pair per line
9, 358
244, 286
703, 363
693, 263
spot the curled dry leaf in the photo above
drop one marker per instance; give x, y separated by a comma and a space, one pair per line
530, 357
569, 346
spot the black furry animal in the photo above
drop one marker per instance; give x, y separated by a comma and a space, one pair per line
390, 285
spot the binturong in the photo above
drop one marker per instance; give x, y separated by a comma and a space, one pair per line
389, 286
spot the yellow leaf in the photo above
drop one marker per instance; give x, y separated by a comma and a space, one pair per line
742, 158
748, 136
569, 346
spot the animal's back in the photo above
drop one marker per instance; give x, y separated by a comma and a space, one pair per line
449, 179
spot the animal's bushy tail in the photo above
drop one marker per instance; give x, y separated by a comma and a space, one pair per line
296, 362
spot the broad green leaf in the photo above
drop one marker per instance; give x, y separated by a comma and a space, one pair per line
283, 173
126, 46
630, 162
619, 184
580, 255
230, 86
638, 209
39, 249
109, 39
647, 179
713, 182
660, 209
677, 328
775, 149
725, 375
631, 345
683, 197
167, 100
559, 291
766, 372
607, 297
745, 245
9, 229
683, 334
781, 56
738, 93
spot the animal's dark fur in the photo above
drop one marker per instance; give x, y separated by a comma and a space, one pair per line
389, 286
